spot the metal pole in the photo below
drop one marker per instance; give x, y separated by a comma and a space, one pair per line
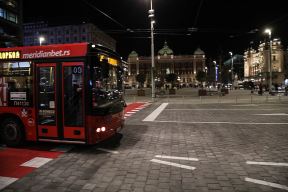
270, 64
152, 52
232, 74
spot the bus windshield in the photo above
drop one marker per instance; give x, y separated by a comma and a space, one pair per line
106, 80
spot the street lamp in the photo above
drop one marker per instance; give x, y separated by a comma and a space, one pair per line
216, 71
268, 31
232, 74
151, 16
41, 39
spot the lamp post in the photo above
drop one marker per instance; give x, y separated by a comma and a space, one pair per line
41, 39
216, 71
151, 16
268, 31
232, 74
206, 69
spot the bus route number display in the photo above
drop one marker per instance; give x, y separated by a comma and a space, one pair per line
77, 70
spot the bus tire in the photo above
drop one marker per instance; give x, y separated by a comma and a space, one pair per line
11, 132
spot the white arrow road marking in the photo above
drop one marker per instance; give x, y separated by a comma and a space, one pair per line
274, 114
275, 185
173, 157
173, 164
266, 163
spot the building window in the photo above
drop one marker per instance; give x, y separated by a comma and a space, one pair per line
2, 13
274, 57
12, 17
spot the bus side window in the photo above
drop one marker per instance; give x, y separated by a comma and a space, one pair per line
16, 77
105, 68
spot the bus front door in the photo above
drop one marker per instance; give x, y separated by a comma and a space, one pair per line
73, 100
60, 102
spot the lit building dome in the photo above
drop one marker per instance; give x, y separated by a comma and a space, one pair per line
165, 50
198, 51
133, 54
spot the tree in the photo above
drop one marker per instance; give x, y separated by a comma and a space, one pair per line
141, 78
201, 76
171, 78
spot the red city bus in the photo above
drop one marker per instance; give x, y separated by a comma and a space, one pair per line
70, 93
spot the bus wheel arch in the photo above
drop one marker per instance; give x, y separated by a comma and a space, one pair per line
11, 130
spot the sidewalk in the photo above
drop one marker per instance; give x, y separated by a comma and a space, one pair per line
190, 95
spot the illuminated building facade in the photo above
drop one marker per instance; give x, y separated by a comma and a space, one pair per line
256, 63
11, 33
85, 32
185, 66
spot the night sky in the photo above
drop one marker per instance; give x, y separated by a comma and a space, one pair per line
219, 26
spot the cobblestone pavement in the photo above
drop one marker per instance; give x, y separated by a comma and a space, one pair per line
228, 146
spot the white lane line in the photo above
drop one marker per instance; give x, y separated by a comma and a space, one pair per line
156, 112
266, 163
221, 109
245, 105
221, 122
174, 157
273, 114
107, 150
5, 181
63, 148
130, 112
36, 162
275, 185
173, 164
127, 114
135, 110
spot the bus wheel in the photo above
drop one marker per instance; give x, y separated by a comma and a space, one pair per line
12, 132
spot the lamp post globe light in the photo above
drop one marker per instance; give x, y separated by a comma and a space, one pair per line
216, 71
268, 31
152, 21
232, 73
41, 40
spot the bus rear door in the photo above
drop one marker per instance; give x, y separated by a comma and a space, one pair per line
60, 102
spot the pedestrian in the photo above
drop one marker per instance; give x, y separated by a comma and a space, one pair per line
260, 89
